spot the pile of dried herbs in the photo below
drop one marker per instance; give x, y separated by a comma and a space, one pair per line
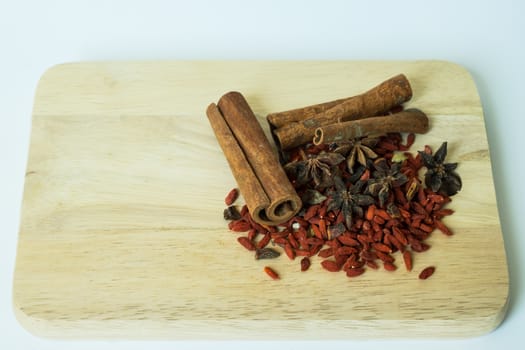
363, 201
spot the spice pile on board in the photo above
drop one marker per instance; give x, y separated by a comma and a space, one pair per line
364, 197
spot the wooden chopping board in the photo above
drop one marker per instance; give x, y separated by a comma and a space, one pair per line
122, 232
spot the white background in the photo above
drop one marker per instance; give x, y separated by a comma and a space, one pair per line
487, 37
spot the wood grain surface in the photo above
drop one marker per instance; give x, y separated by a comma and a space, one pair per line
122, 233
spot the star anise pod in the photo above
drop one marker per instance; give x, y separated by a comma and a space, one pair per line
319, 168
357, 150
384, 179
349, 200
440, 176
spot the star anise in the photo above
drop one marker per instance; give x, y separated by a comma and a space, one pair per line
440, 176
349, 200
319, 168
359, 150
384, 179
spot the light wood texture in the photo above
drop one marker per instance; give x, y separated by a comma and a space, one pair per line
122, 233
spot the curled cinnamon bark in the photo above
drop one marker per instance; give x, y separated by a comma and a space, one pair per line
276, 120
411, 120
268, 193
375, 101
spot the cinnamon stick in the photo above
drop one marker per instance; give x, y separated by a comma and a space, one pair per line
411, 120
268, 193
276, 120
375, 101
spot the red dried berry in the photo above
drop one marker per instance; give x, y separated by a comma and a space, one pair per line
389, 266
290, 252
231, 197
305, 263
270, 272
239, 226
355, 272
407, 258
427, 272
330, 265
246, 243
264, 241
